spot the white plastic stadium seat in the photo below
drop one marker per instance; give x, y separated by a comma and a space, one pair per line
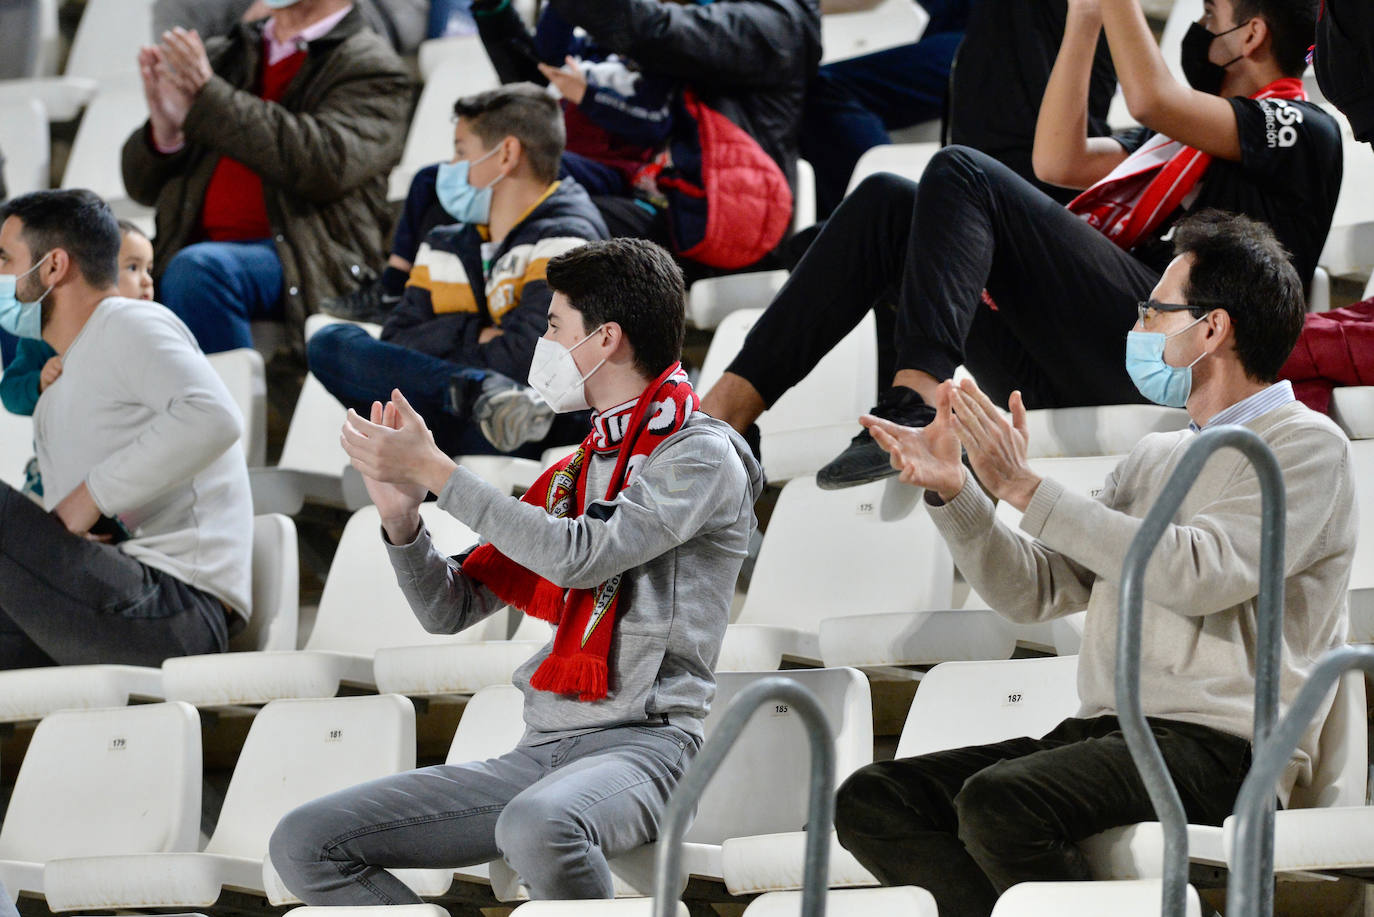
491, 725
112, 115
710, 299
957, 704
276, 587
444, 669
1352, 407
1131, 898
361, 610
887, 25
1362, 570
296, 751
393, 910
24, 138
832, 553
619, 907
1349, 245
31, 694
899, 901
430, 140
104, 54
804, 196
242, 373
312, 460
909, 160
814, 420
100, 782
762, 785
1112, 429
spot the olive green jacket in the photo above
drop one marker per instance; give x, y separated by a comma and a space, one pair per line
324, 154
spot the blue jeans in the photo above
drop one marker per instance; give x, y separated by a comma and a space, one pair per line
852, 104
217, 288
358, 369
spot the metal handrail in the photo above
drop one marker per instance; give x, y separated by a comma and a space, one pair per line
820, 815
1139, 739
1249, 872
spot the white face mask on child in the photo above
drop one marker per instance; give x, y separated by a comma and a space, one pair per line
555, 376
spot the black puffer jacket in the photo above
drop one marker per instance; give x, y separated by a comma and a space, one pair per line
748, 59
1345, 61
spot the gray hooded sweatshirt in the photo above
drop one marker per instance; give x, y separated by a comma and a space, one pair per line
678, 534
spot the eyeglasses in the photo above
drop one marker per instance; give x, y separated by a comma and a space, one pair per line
1147, 309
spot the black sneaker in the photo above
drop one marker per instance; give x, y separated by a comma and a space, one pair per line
863, 461
509, 414
369, 303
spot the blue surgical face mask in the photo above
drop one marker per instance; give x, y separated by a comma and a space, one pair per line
460, 199
279, 4
1157, 380
21, 319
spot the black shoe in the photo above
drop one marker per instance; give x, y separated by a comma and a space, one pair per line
863, 461
368, 303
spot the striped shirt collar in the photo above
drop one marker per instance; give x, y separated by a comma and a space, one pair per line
278, 51
1257, 405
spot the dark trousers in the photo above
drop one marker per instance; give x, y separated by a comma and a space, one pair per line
969, 823
1065, 295
67, 600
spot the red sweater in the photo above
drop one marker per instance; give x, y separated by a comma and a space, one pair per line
234, 209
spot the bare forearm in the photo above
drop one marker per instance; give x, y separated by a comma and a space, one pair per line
1063, 154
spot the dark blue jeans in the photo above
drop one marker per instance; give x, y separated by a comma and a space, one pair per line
67, 600
852, 104
218, 288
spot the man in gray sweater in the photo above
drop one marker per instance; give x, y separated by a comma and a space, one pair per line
138, 445
630, 546
969, 823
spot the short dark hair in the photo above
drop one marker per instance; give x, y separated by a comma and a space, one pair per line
126, 227
633, 283
75, 220
523, 111
1240, 267
1292, 27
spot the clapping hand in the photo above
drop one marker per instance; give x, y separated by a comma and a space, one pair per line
570, 82
168, 104
926, 456
996, 446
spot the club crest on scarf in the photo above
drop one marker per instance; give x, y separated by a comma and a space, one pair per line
585, 618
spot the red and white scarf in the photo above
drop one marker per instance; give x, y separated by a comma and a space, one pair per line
1154, 181
585, 618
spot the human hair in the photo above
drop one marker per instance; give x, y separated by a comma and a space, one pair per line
1240, 267
1292, 25
75, 220
635, 284
523, 111
126, 227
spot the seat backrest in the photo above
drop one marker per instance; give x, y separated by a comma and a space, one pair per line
872, 549
814, 419
24, 138
887, 25
430, 139
242, 372
110, 118
1112, 429
1362, 568
276, 587
976, 703
363, 609
312, 439
1183, 14
492, 725
299, 750
909, 160
110, 781
762, 785
1341, 769
107, 42
897, 901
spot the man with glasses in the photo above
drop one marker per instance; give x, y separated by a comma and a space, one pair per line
969, 823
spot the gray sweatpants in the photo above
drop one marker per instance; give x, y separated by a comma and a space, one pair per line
554, 811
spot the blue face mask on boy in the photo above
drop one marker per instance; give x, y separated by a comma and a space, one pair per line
1157, 380
21, 319
458, 197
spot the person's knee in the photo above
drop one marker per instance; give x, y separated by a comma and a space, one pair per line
952, 165
882, 189
991, 808
193, 266
296, 843
533, 830
865, 804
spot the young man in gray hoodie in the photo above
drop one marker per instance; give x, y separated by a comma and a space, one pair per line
631, 546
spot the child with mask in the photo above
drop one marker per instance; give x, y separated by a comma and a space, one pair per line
36, 365
476, 299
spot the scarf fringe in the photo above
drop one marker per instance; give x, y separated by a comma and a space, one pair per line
579, 674
512, 584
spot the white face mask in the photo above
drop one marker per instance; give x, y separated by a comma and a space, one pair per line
554, 375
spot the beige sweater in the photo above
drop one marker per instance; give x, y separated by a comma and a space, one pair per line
1198, 648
